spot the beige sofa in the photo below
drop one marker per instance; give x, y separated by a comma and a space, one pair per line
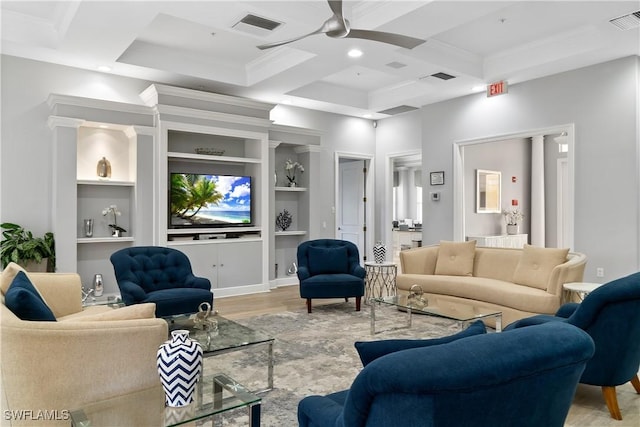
518, 282
85, 356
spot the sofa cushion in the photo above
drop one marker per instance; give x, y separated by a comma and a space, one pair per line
536, 264
507, 294
456, 258
371, 350
8, 274
328, 260
136, 311
24, 301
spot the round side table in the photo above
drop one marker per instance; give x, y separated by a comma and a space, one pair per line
380, 280
581, 289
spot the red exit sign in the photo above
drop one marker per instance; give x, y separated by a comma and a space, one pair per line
498, 88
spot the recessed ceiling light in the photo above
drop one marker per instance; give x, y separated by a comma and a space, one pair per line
367, 116
103, 126
104, 68
287, 101
355, 53
478, 88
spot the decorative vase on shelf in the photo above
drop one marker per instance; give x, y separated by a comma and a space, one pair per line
103, 170
98, 285
88, 228
179, 362
379, 253
513, 229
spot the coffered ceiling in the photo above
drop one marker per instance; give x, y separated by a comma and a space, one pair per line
203, 45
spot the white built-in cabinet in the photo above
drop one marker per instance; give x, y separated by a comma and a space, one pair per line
85, 131
206, 133
298, 145
186, 131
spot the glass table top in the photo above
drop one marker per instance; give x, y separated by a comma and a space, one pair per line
229, 335
147, 407
434, 306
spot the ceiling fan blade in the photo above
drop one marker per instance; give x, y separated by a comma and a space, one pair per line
336, 8
280, 43
389, 38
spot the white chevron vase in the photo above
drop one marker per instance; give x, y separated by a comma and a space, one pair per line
379, 253
179, 363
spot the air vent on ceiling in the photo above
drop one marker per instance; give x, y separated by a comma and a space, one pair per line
397, 110
257, 25
396, 64
443, 76
627, 22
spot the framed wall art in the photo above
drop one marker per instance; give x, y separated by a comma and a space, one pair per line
437, 178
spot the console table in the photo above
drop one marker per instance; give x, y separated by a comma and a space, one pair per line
502, 241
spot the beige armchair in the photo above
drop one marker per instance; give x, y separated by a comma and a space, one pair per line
49, 368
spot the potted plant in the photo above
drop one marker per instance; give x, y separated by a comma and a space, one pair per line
20, 246
513, 217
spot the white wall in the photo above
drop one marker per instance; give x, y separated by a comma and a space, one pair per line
601, 100
26, 146
603, 103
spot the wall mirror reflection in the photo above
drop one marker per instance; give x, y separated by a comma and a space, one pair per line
488, 186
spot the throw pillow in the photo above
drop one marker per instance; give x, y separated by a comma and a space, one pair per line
371, 350
8, 274
136, 311
24, 301
456, 258
328, 260
535, 265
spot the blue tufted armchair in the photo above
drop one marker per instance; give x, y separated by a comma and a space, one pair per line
329, 268
525, 378
611, 316
162, 276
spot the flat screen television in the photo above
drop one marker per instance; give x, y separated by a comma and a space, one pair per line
204, 200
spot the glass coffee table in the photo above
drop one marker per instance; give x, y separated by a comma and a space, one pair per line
214, 395
229, 336
462, 313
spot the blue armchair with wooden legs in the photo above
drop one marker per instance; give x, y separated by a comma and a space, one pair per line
525, 378
611, 316
330, 268
160, 275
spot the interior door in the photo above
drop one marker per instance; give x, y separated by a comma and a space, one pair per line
351, 209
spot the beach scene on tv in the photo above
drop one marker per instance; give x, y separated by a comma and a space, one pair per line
209, 200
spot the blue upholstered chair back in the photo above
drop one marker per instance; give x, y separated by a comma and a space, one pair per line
611, 316
526, 377
310, 265
152, 267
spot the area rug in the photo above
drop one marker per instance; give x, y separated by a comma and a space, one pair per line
313, 354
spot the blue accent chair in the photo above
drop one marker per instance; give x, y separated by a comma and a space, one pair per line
160, 275
329, 268
611, 316
526, 378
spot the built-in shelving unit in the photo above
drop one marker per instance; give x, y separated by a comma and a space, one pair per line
84, 132
215, 135
298, 145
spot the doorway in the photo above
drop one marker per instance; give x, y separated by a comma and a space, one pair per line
403, 202
354, 201
565, 207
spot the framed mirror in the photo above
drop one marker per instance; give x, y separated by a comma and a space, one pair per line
488, 191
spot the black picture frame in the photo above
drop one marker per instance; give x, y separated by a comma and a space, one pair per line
437, 178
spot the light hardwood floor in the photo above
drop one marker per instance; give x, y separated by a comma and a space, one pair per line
588, 409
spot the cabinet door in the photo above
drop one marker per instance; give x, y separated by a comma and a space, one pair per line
204, 260
239, 264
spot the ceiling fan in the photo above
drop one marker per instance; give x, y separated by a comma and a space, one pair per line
338, 27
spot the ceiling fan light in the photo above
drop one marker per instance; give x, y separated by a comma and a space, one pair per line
355, 53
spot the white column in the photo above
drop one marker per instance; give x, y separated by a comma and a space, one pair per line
537, 191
